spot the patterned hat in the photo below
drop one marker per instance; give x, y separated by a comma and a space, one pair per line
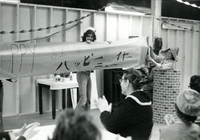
174, 52
188, 102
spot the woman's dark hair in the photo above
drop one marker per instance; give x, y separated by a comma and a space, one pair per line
134, 76
187, 119
195, 83
75, 125
89, 32
173, 58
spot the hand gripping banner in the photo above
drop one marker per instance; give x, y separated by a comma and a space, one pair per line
32, 59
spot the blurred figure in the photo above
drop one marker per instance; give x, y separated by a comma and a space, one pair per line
1, 101
195, 83
133, 116
75, 125
83, 77
187, 109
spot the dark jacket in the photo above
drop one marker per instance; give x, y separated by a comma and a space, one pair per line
6, 136
133, 117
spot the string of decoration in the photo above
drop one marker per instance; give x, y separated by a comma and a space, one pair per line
50, 27
178, 26
187, 3
48, 36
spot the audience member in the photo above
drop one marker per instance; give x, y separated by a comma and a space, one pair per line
25, 133
195, 83
83, 77
133, 116
187, 109
75, 125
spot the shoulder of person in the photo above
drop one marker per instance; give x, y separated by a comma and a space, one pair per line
140, 98
171, 128
195, 128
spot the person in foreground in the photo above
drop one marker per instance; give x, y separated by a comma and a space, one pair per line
133, 116
75, 125
195, 82
24, 133
187, 109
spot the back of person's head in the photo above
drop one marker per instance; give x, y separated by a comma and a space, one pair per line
134, 76
188, 105
89, 30
75, 125
195, 83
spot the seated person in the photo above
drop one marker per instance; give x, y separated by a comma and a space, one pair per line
187, 109
195, 83
133, 116
75, 125
164, 62
25, 133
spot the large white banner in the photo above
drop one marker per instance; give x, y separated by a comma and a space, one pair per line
31, 59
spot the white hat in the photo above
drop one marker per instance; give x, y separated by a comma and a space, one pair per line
188, 102
90, 28
174, 52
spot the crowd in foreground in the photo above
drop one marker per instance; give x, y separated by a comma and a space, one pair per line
132, 117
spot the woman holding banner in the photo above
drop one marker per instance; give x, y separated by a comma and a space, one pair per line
164, 62
83, 77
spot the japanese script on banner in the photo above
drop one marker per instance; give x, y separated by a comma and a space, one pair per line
32, 59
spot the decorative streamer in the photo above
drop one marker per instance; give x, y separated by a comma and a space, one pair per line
48, 36
50, 27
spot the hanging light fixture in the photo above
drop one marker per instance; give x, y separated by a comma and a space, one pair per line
126, 9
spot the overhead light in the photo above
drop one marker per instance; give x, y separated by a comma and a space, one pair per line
126, 9
187, 3
176, 25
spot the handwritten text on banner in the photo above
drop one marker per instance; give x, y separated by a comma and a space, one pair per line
31, 59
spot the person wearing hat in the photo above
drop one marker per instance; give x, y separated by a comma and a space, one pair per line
165, 62
133, 116
83, 77
187, 109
